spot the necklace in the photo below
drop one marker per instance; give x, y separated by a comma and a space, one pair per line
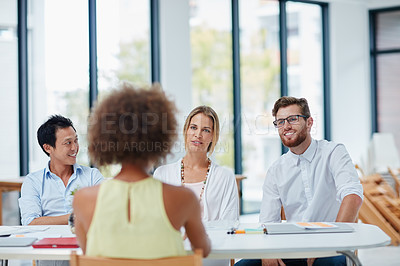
205, 180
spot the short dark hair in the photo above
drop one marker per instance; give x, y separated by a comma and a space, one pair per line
119, 129
46, 133
287, 101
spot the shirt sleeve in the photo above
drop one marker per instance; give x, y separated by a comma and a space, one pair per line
344, 174
29, 203
97, 177
270, 210
231, 210
157, 174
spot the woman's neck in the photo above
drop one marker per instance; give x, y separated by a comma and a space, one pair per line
195, 160
132, 172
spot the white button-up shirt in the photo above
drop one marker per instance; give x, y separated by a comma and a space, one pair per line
310, 186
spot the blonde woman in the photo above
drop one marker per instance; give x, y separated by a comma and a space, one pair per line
214, 185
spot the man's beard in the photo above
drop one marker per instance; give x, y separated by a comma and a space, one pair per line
301, 136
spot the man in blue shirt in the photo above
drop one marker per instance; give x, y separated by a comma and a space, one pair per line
46, 195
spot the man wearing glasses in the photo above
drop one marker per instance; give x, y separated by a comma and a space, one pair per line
315, 181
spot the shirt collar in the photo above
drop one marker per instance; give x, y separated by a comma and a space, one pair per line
308, 154
76, 167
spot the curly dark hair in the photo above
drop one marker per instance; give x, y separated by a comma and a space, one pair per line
285, 101
132, 125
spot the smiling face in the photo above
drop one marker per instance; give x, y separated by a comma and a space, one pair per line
66, 147
199, 134
296, 136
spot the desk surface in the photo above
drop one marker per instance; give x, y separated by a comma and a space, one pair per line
294, 245
225, 246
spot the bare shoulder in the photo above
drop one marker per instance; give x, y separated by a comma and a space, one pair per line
86, 194
179, 193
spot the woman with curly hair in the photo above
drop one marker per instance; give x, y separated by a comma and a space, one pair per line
134, 215
214, 185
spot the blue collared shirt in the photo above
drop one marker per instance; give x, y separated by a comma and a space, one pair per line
44, 194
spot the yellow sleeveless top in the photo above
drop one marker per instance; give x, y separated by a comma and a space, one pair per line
148, 235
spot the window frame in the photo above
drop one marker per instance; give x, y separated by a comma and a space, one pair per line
374, 53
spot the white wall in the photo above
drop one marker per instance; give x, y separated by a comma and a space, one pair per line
350, 73
176, 71
350, 76
372, 4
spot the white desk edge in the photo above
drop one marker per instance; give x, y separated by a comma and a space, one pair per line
231, 246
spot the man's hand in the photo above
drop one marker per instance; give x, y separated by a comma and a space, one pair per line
310, 262
272, 262
45, 220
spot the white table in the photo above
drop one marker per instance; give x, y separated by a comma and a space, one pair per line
30, 253
287, 246
226, 246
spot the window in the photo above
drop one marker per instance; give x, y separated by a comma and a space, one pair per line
9, 88
260, 87
385, 58
305, 77
262, 36
261, 72
58, 67
9, 106
123, 43
211, 43
123, 48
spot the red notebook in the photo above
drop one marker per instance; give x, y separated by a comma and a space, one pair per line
59, 242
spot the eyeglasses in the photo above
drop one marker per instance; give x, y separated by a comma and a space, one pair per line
292, 119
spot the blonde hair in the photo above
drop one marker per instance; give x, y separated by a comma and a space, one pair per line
208, 111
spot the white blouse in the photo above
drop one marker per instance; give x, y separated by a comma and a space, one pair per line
220, 197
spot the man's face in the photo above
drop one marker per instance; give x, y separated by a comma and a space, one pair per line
292, 135
66, 147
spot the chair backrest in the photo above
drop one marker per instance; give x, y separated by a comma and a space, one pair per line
189, 260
